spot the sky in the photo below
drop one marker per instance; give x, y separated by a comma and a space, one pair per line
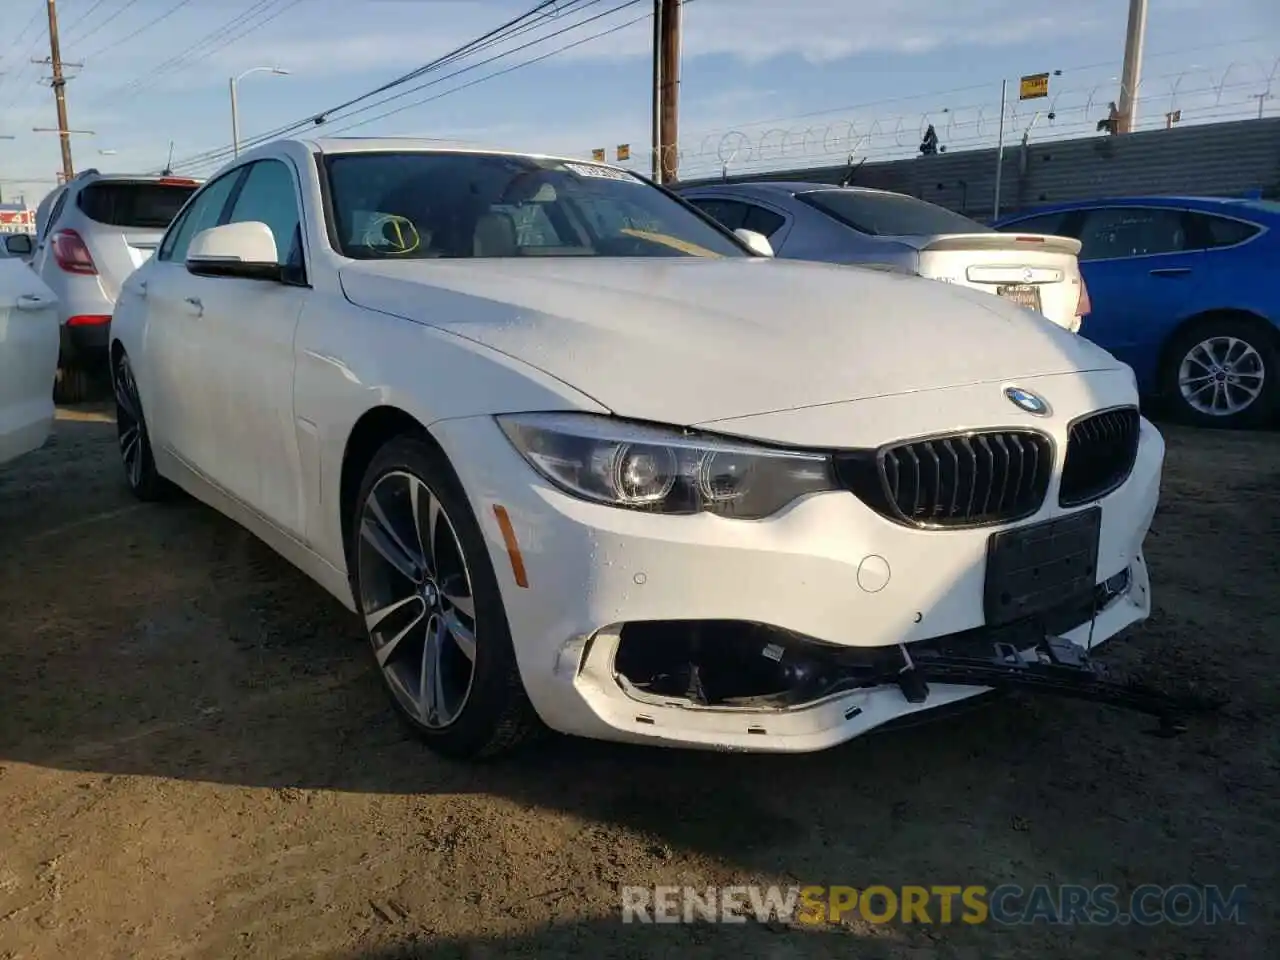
764, 83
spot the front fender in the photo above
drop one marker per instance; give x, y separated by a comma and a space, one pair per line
350, 360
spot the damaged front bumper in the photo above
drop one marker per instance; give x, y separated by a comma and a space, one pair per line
730, 685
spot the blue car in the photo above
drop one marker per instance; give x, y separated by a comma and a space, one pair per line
1186, 290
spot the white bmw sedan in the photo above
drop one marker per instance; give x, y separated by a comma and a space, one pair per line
581, 458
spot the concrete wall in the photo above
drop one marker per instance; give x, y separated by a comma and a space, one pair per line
1222, 159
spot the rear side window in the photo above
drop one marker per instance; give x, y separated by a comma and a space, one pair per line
730, 214
1214, 231
762, 221
1113, 233
149, 206
890, 214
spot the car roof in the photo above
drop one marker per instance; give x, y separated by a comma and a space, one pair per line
788, 187
1133, 201
334, 145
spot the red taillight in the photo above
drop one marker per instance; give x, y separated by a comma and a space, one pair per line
1029, 239
71, 254
1083, 306
177, 182
88, 320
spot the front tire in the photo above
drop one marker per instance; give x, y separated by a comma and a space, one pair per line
1224, 373
427, 591
140, 472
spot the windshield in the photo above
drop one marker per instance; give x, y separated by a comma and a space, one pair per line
890, 214
139, 205
420, 205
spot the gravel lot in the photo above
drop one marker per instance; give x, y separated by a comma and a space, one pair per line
196, 760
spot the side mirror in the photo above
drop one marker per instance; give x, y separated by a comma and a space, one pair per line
18, 244
245, 250
758, 242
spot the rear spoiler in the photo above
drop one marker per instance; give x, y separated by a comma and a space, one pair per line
993, 241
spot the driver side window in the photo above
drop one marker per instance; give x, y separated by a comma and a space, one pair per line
270, 196
205, 211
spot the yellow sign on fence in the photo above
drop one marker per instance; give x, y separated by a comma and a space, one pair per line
598, 154
1033, 87
624, 151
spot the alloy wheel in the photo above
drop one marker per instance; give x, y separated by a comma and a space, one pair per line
130, 427
417, 600
1221, 376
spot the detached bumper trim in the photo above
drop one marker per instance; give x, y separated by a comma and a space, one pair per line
1055, 666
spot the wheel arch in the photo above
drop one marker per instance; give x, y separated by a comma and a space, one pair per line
1208, 316
374, 428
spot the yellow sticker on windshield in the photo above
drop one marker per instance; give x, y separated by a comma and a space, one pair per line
392, 234
675, 243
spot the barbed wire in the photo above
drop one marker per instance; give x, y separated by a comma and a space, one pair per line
1198, 93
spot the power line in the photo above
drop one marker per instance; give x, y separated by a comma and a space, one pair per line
138, 84
25, 57
506, 53
317, 118
88, 13
153, 22
498, 73
23, 32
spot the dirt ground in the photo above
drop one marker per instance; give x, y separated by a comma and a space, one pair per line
197, 761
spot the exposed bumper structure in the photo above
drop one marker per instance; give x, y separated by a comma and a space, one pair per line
805, 630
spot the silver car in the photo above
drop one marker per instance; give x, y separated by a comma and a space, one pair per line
857, 225
91, 233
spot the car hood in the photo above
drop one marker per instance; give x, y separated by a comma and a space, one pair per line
693, 340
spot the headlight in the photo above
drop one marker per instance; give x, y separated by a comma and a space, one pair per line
664, 470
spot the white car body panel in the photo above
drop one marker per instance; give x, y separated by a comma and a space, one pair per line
28, 359
732, 339
251, 399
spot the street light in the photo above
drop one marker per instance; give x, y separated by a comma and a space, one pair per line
235, 118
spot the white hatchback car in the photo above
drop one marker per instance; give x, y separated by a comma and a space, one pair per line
91, 233
576, 454
28, 359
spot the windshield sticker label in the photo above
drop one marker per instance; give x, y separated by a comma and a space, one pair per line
602, 173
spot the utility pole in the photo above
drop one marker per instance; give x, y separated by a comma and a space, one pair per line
669, 48
657, 91
59, 85
1131, 78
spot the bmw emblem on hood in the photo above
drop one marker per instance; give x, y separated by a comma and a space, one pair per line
1027, 401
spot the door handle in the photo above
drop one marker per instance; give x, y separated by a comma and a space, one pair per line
29, 301
142, 288
1171, 272
195, 306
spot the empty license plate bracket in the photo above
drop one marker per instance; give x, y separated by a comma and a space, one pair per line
1034, 569
1024, 294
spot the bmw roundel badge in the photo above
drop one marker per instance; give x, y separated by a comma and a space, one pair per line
1027, 401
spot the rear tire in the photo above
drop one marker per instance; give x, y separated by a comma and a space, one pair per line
432, 607
1223, 372
72, 384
